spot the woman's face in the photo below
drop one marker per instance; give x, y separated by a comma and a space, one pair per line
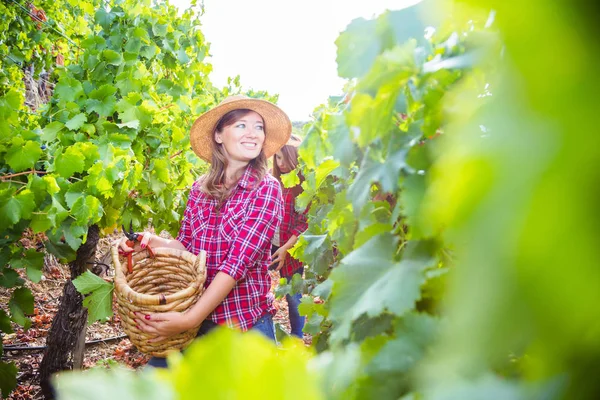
281, 164
243, 140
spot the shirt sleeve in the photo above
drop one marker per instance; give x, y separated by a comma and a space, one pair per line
301, 223
185, 231
257, 230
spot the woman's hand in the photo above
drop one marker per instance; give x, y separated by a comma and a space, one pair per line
163, 325
124, 248
279, 257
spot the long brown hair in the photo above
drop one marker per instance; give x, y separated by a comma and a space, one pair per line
290, 159
213, 183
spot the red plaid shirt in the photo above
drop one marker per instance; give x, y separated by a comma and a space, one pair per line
237, 241
294, 223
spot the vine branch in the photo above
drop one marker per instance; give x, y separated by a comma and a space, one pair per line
33, 171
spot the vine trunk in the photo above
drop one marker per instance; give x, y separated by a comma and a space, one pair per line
69, 324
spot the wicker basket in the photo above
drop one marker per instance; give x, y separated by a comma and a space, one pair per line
172, 280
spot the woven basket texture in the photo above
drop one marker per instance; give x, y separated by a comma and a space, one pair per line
172, 280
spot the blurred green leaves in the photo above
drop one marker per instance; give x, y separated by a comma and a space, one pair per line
222, 365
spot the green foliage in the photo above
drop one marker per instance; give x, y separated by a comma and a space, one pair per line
33, 262
460, 141
520, 208
369, 282
222, 365
290, 179
8, 377
5, 322
100, 383
376, 268
21, 305
99, 296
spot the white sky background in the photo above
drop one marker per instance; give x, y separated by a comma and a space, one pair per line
283, 46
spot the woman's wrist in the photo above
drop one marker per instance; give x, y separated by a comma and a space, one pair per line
291, 242
191, 320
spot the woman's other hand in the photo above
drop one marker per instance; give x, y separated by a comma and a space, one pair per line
279, 257
163, 325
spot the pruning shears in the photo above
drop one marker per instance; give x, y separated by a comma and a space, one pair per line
133, 237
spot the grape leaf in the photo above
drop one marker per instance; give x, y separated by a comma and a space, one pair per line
69, 162
8, 378
369, 281
357, 47
61, 250
313, 149
87, 210
40, 222
126, 83
391, 69
51, 130
313, 324
159, 29
74, 192
13, 99
74, 234
5, 322
39, 187
112, 57
17, 208
339, 136
56, 212
99, 296
387, 173
323, 290
76, 122
23, 156
20, 305
290, 179
104, 18
101, 179
68, 88
51, 184
10, 278
414, 334
33, 261
102, 100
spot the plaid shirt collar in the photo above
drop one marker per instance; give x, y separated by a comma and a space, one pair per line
248, 178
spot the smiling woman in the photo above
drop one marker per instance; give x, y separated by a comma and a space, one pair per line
232, 213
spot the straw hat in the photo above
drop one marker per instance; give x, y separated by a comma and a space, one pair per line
278, 126
294, 141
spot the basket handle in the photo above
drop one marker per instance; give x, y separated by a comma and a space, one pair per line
160, 299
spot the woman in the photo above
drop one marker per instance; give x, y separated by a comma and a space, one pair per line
232, 213
294, 223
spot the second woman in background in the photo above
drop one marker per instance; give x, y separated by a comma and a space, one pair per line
292, 226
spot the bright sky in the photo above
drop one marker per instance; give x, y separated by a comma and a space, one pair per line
283, 46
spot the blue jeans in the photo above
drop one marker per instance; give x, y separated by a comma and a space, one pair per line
296, 320
264, 325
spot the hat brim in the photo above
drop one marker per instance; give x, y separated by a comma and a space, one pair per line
278, 127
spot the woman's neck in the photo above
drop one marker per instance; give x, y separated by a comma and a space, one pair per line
234, 170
